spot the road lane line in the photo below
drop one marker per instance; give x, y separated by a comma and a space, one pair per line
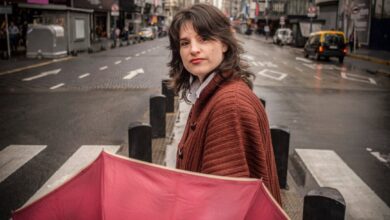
43, 74
299, 69
271, 74
133, 73
303, 59
357, 78
15, 156
34, 66
57, 86
329, 170
137, 54
84, 75
80, 159
118, 62
103, 68
254, 63
128, 58
143, 52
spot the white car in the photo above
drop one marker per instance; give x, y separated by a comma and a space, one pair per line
147, 33
283, 36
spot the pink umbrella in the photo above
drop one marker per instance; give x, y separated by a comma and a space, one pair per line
113, 187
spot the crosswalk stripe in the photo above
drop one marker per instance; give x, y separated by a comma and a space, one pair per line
80, 159
15, 156
329, 170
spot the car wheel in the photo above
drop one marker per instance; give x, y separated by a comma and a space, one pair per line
305, 55
317, 56
341, 59
327, 58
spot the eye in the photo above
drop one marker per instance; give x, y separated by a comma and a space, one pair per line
183, 43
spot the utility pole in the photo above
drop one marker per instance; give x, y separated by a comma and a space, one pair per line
267, 30
7, 31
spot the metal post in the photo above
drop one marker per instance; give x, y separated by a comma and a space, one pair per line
140, 141
7, 32
281, 144
157, 110
169, 94
311, 25
323, 204
354, 36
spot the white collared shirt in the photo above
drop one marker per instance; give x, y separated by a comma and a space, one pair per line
196, 87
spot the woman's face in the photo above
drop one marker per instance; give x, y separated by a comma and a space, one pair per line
200, 56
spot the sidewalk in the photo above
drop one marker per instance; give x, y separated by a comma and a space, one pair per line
291, 200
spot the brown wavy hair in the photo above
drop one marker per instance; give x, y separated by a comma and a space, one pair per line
210, 23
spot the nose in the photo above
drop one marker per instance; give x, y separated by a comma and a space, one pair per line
195, 48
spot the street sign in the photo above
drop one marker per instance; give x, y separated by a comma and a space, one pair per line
5, 10
311, 11
114, 10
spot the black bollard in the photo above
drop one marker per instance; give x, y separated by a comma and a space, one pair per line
262, 102
168, 92
157, 109
140, 141
323, 204
281, 142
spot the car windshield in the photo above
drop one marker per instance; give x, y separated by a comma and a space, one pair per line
334, 39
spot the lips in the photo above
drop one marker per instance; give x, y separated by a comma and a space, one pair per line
196, 60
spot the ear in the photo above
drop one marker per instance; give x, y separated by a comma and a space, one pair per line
224, 47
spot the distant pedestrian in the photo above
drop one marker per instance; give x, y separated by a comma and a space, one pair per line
351, 42
14, 36
227, 132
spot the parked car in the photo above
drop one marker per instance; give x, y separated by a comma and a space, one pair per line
147, 33
283, 36
326, 44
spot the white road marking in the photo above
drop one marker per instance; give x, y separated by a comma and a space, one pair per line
149, 50
57, 86
285, 63
50, 72
357, 78
143, 52
127, 58
299, 69
303, 59
260, 63
254, 63
378, 156
15, 156
118, 62
317, 77
84, 75
134, 73
329, 170
311, 66
137, 54
103, 67
271, 74
85, 155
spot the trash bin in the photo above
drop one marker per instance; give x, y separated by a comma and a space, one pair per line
46, 41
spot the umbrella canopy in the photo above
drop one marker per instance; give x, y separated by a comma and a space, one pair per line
113, 187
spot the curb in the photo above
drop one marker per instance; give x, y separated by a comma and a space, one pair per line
380, 71
367, 58
36, 65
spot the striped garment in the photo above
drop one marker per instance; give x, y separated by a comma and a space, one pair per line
227, 134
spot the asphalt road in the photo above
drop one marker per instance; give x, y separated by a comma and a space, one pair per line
92, 98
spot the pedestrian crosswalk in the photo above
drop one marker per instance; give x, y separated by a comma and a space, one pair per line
14, 157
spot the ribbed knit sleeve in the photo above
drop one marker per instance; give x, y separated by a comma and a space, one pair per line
238, 139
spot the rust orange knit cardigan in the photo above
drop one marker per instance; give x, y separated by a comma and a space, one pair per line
227, 134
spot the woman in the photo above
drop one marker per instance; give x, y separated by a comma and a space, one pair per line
227, 131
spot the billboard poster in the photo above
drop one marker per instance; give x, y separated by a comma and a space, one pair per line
360, 20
